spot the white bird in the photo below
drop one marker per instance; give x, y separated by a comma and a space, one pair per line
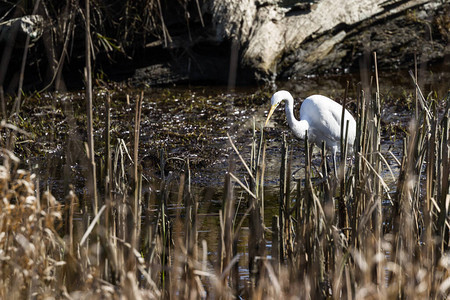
321, 117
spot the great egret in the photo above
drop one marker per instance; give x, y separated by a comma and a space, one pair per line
321, 117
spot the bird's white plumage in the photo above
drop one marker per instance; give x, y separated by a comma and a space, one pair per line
320, 116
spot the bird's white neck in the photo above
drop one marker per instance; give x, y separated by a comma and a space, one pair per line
298, 127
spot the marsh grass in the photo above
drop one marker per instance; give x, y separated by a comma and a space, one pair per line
345, 237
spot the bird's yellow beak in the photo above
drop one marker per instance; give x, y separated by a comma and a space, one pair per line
272, 109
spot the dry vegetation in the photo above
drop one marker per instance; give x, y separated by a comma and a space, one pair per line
333, 237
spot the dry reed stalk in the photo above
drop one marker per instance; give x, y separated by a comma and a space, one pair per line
137, 196
342, 207
255, 214
17, 103
405, 236
363, 267
359, 147
311, 236
30, 244
259, 167
225, 248
443, 219
256, 226
276, 260
328, 198
89, 111
378, 219
283, 201
109, 233
430, 189
119, 184
192, 289
109, 169
165, 228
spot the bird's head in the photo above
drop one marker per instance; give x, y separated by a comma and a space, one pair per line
276, 100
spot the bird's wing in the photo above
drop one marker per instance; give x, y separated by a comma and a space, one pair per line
324, 117
323, 125
327, 127
334, 121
